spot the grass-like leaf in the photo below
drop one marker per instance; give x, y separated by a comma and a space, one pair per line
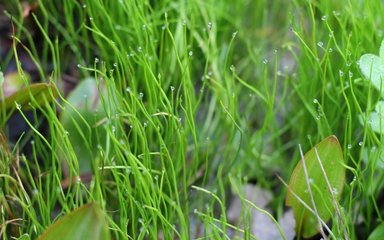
5, 154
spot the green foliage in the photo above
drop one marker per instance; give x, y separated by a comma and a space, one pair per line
318, 181
378, 233
85, 223
84, 120
372, 66
33, 95
194, 99
5, 154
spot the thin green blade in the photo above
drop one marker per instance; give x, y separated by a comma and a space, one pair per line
5, 154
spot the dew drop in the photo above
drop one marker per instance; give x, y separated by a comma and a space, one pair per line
18, 106
265, 61
190, 53
360, 143
172, 88
320, 44
128, 89
141, 95
78, 180
336, 13
84, 6
234, 34
232, 68
349, 146
350, 74
139, 49
315, 101
209, 26
96, 60
324, 18
341, 73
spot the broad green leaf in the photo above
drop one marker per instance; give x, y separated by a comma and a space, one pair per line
39, 91
82, 118
378, 233
375, 119
85, 223
332, 160
372, 68
13, 82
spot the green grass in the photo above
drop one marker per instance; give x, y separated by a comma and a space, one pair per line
200, 98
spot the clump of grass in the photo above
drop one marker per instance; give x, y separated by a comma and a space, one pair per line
199, 98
